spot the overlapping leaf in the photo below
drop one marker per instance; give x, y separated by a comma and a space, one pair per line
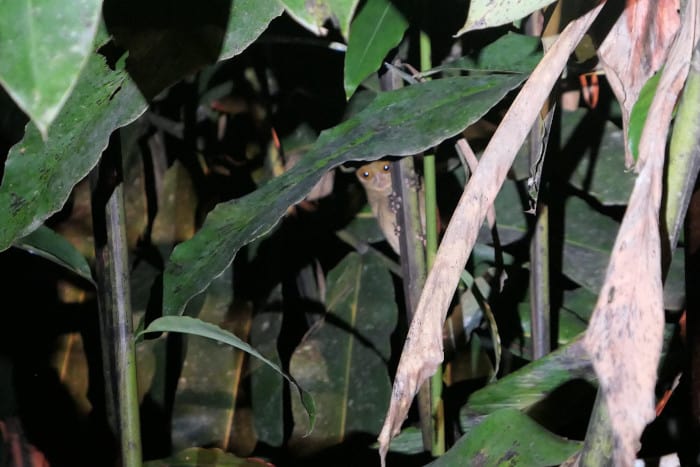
398, 123
43, 47
39, 175
377, 29
342, 361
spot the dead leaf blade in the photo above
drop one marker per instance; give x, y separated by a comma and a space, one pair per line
635, 48
423, 348
624, 337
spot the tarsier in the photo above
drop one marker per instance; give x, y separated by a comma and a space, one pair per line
376, 180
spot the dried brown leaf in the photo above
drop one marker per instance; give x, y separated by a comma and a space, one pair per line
624, 337
423, 351
636, 48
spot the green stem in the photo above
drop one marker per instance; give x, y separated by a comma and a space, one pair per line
431, 240
114, 298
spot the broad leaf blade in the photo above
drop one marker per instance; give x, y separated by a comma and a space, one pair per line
187, 325
638, 115
204, 406
530, 384
39, 175
48, 244
588, 245
508, 437
401, 122
600, 170
265, 384
512, 53
248, 19
43, 46
377, 29
343, 360
489, 13
313, 14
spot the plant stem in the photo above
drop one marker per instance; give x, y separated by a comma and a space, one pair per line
431, 240
114, 297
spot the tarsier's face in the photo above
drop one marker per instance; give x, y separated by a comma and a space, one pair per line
376, 176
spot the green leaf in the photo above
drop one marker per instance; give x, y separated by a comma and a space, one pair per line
508, 437
43, 46
401, 122
39, 175
266, 385
197, 327
378, 28
589, 239
205, 399
312, 14
510, 215
574, 314
248, 19
530, 384
512, 53
48, 244
409, 442
600, 171
342, 361
164, 48
490, 13
640, 109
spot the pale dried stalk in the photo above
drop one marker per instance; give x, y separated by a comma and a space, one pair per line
423, 351
625, 335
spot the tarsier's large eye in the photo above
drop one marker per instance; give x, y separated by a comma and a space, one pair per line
365, 174
386, 167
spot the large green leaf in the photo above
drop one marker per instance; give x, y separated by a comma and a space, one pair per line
588, 243
313, 14
640, 110
48, 244
266, 385
401, 122
248, 19
589, 240
511, 53
43, 46
530, 384
342, 361
205, 400
197, 327
508, 437
489, 13
163, 48
377, 29
39, 175
600, 170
